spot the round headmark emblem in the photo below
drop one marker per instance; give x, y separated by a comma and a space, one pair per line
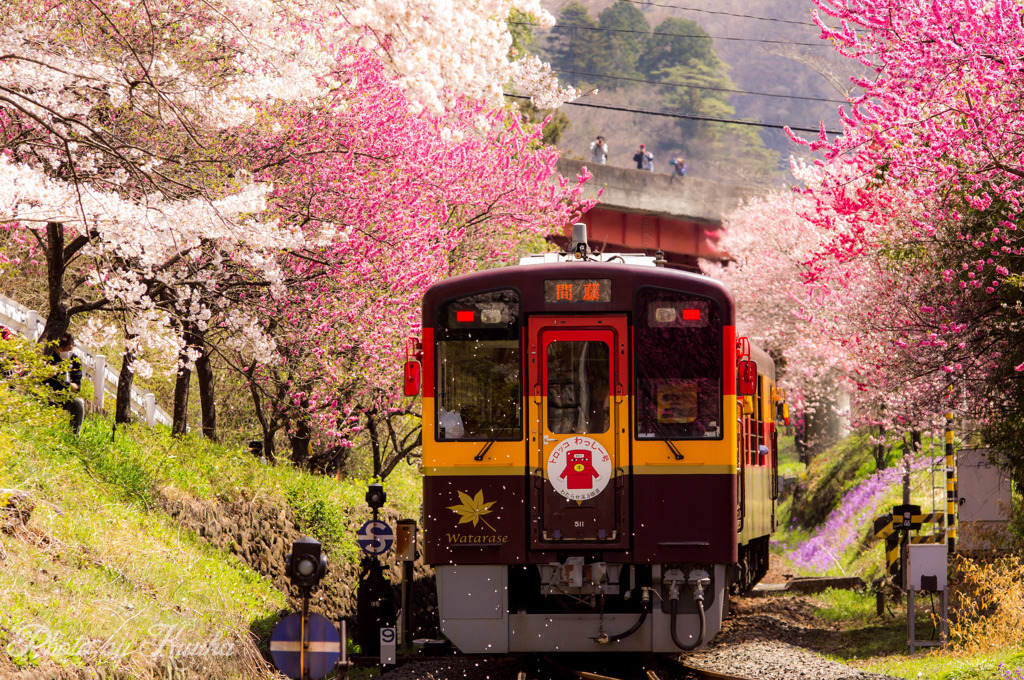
579, 468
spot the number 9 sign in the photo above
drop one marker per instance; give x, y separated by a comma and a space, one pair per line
388, 638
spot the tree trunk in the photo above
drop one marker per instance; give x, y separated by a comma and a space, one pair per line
881, 452
204, 374
268, 445
123, 406
181, 390
268, 425
57, 319
300, 443
375, 444
58, 255
400, 449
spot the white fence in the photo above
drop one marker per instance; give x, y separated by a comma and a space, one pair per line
28, 323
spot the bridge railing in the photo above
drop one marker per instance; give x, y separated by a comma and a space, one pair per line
28, 323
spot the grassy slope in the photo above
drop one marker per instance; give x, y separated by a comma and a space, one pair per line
876, 643
101, 577
818, 489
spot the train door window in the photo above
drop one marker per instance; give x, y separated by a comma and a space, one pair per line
578, 387
678, 366
479, 368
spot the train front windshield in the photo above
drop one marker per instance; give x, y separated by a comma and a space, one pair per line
678, 366
479, 375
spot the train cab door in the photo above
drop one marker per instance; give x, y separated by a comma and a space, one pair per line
579, 441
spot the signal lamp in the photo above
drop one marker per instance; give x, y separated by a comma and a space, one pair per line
375, 496
306, 564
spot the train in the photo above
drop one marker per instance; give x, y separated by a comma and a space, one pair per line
600, 454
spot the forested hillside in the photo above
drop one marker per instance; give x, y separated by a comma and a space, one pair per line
696, 59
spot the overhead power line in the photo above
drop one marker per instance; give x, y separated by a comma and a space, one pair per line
700, 87
729, 14
821, 43
686, 116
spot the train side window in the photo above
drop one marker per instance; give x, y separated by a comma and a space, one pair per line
677, 366
759, 421
479, 368
578, 387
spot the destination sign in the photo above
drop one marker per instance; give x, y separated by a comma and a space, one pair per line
577, 290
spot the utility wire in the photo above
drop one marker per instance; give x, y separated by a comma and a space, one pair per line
821, 43
708, 119
698, 87
730, 14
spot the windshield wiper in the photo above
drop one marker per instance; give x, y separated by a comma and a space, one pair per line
658, 431
483, 451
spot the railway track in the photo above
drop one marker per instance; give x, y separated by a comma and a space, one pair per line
704, 674
760, 660
661, 668
768, 638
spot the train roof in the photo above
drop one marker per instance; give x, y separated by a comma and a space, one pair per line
626, 273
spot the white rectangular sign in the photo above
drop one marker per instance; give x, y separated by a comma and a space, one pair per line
388, 638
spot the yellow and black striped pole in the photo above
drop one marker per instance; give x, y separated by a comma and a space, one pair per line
951, 500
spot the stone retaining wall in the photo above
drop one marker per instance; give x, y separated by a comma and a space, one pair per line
261, 530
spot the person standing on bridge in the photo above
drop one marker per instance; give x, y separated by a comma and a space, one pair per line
679, 165
599, 150
644, 159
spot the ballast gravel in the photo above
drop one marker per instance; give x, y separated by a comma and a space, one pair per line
766, 660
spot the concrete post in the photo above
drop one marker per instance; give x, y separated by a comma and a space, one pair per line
99, 380
31, 323
150, 401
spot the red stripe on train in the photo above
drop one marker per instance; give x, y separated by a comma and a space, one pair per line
729, 360
428, 362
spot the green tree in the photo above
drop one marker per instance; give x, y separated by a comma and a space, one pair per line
624, 36
573, 45
696, 89
523, 40
676, 42
520, 27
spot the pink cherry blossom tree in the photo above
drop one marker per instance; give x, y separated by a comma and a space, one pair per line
926, 181
822, 287
119, 120
388, 200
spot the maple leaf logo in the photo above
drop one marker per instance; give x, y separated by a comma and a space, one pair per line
473, 509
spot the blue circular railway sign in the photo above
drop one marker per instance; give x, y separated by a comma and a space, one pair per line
375, 537
321, 653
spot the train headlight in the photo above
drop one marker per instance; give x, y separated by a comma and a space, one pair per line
490, 315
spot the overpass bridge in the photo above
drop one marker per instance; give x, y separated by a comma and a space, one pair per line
646, 212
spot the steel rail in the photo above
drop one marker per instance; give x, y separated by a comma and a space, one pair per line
706, 673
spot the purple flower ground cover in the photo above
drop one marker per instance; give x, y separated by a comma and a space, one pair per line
824, 551
1011, 674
